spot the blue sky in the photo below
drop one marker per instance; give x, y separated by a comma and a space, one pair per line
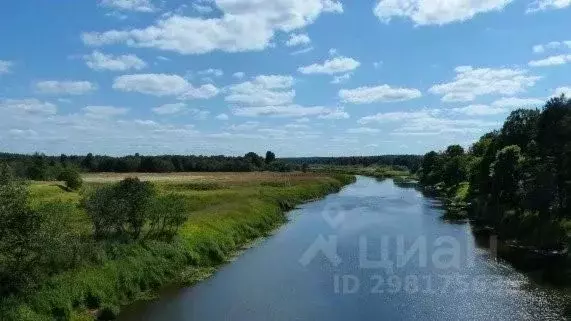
300, 77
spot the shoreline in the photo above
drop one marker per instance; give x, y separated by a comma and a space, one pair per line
202, 247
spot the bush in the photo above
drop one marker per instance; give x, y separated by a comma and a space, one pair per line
121, 209
33, 242
169, 212
72, 178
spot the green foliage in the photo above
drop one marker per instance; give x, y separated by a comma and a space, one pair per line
519, 178
71, 178
116, 273
270, 157
121, 209
34, 242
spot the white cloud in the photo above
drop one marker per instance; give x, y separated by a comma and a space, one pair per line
363, 130
538, 49
297, 39
281, 111
392, 117
263, 91
246, 25
479, 110
434, 12
377, 64
104, 111
27, 106
202, 8
65, 87
246, 126
553, 45
146, 122
163, 85
383, 93
333, 52
239, 75
427, 122
100, 61
541, 5
169, 109
212, 72
341, 79
470, 83
333, 66
551, 61
23, 133
129, 5
222, 117
5, 66
338, 113
562, 91
514, 102
296, 126
302, 120
301, 51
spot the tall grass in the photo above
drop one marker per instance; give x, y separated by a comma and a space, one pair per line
222, 221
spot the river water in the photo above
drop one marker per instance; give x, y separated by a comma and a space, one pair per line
373, 251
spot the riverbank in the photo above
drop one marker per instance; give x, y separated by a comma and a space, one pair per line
278, 280
225, 215
399, 174
545, 265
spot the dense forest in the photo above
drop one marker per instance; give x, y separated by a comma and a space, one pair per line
412, 162
516, 179
42, 167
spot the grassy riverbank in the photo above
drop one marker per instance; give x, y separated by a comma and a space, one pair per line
227, 212
399, 174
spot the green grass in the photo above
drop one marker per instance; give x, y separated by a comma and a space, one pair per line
221, 222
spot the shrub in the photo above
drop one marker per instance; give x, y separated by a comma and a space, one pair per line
72, 178
121, 209
33, 242
168, 213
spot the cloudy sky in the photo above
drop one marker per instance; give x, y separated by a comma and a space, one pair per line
300, 77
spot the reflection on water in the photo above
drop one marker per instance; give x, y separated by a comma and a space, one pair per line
373, 251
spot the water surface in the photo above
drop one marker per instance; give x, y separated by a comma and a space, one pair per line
352, 256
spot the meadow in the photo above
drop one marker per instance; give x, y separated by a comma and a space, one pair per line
226, 212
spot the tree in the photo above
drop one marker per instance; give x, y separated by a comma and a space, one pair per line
168, 213
506, 174
304, 167
454, 150
88, 162
520, 128
38, 171
270, 157
254, 159
120, 209
71, 178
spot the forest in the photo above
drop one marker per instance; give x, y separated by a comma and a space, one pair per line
516, 179
40, 167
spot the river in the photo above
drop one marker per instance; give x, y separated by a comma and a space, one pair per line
373, 251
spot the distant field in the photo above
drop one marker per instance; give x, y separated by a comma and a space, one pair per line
199, 177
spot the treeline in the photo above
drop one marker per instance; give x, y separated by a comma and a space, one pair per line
517, 179
412, 162
42, 167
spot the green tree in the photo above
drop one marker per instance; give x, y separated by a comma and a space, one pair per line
270, 157
71, 178
121, 209
520, 128
506, 174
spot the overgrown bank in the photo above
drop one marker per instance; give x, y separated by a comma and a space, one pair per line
515, 182
223, 217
